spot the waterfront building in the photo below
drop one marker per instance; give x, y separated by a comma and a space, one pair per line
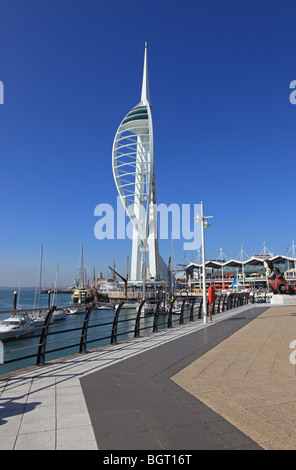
251, 272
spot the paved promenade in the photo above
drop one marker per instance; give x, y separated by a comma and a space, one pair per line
228, 384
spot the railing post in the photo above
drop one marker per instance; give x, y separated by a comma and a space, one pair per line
170, 324
229, 302
43, 339
213, 307
182, 311
138, 318
83, 339
191, 316
156, 314
115, 324
219, 302
200, 308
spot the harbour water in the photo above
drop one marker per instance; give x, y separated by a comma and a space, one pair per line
26, 298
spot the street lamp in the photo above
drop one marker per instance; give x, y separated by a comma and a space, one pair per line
204, 224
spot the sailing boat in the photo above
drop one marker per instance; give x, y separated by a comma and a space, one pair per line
82, 294
39, 319
58, 314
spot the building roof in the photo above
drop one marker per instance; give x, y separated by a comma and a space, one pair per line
234, 263
253, 261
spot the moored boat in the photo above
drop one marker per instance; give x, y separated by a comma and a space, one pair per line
149, 308
39, 320
59, 314
129, 305
82, 295
104, 306
15, 326
77, 309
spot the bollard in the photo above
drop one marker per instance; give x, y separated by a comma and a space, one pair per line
48, 299
14, 299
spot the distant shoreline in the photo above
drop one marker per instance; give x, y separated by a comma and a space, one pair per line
62, 290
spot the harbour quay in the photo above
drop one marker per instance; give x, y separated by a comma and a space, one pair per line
225, 384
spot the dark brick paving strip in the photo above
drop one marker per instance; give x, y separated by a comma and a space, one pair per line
134, 405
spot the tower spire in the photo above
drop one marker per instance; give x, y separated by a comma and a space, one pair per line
145, 96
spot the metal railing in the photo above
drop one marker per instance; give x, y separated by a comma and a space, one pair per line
98, 327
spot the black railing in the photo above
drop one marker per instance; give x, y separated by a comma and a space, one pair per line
98, 327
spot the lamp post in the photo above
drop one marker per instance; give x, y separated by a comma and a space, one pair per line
204, 224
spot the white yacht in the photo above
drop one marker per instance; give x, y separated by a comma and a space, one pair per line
177, 306
149, 308
129, 305
77, 309
39, 320
15, 326
59, 314
104, 306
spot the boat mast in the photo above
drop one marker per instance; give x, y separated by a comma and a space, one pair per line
81, 268
56, 284
18, 295
171, 268
40, 276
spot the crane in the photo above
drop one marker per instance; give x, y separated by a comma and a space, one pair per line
121, 277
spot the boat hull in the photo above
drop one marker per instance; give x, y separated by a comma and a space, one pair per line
15, 327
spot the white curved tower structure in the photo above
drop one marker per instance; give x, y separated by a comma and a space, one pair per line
133, 170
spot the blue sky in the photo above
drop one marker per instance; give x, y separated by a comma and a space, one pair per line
224, 128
